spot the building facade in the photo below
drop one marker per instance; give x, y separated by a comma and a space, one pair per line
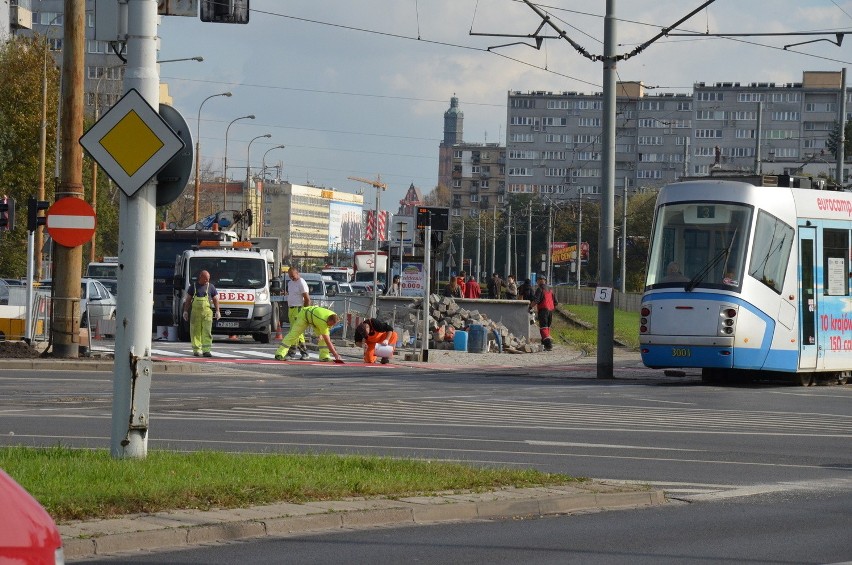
553, 144
473, 172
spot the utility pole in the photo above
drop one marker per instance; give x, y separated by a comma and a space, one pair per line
461, 247
758, 168
133, 367
529, 242
623, 284
606, 310
494, 240
38, 239
401, 247
508, 242
379, 186
841, 139
68, 260
579, 252
549, 251
478, 245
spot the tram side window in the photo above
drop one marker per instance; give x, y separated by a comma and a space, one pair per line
835, 262
773, 240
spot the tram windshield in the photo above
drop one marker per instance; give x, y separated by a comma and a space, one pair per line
699, 244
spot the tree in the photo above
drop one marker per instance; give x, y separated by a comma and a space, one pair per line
440, 196
833, 140
24, 62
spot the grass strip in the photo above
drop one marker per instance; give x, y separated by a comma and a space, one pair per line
81, 484
625, 329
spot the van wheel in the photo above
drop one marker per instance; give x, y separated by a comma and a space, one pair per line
843, 377
183, 332
263, 337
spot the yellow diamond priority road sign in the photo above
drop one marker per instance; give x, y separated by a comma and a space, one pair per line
131, 142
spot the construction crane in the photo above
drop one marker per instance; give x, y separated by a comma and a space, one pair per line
379, 186
374, 183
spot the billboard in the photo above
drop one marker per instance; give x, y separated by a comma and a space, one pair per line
564, 252
344, 225
413, 279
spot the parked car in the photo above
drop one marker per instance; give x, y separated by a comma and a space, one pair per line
365, 288
4, 292
27, 532
335, 288
96, 302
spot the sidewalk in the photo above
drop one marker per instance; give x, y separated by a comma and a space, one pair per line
185, 528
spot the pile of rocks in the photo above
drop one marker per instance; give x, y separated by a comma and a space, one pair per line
446, 313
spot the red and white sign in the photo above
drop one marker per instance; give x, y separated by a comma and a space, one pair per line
71, 222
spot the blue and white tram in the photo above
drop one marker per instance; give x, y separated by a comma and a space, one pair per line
748, 280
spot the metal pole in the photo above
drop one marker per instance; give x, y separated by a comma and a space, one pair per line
133, 367
841, 139
623, 285
42, 164
606, 312
529, 242
461, 248
247, 200
374, 302
478, 247
549, 250
494, 240
579, 252
508, 242
225, 171
758, 166
196, 213
401, 236
29, 310
427, 267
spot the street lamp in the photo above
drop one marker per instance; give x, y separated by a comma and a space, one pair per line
260, 208
199, 59
198, 152
246, 199
225, 171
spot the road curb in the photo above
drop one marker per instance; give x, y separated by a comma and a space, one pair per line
169, 367
330, 516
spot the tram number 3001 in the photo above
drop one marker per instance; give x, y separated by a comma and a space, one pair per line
681, 352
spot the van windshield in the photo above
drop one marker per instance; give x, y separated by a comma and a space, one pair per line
230, 272
315, 288
102, 271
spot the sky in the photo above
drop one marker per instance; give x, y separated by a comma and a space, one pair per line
360, 88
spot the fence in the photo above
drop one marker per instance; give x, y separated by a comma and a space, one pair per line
630, 301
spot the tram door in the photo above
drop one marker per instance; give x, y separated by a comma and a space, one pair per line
808, 348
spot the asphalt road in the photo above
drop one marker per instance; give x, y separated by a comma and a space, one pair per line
764, 529
694, 440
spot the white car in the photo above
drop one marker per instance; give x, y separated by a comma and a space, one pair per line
96, 302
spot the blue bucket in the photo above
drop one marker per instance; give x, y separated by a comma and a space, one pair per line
478, 339
460, 341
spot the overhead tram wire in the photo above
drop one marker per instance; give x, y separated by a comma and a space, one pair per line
421, 40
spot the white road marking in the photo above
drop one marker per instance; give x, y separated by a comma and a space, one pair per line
604, 445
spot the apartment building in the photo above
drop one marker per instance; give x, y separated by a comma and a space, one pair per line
553, 144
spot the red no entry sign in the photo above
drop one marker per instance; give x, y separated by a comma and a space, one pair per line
71, 222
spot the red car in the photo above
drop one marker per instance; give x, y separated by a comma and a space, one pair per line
27, 532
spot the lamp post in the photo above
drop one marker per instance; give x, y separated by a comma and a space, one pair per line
246, 199
225, 171
260, 218
198, 152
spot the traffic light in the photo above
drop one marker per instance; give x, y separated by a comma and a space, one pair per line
225, 11
7, 213
33, 208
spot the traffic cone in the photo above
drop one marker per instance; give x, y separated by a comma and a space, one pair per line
278, 335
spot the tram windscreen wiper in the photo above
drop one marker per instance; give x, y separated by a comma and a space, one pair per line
699, 276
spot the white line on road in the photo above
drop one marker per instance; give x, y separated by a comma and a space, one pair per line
604, 445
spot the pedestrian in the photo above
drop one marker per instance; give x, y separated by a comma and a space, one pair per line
372, 332
452, 289
545, 302
321, 320
511, 288
471, 289
395, 288
461, 281
199, 308
525, 291
495, 286
298, 296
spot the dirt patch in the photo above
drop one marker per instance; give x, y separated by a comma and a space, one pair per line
17, 350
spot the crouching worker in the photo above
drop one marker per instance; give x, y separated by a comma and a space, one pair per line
321, 320
374, 332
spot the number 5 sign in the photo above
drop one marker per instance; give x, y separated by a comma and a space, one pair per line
603, 294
